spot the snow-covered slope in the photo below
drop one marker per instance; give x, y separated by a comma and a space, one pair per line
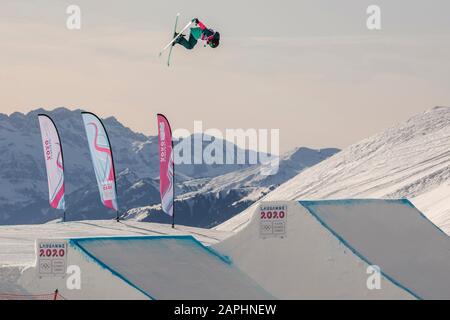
410, 160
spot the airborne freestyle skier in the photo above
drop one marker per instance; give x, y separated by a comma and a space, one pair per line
201, 32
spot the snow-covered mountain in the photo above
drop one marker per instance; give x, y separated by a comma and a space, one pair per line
208, 202
23, 191
252, 182
23, 188
409, 160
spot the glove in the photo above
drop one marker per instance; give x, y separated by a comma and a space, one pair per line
195, 20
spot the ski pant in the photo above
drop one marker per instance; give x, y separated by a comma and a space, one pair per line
188, 44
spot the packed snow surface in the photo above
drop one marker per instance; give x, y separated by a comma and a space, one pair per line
17, 242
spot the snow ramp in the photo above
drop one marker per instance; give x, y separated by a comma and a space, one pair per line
151, 267
325, 250
289, 250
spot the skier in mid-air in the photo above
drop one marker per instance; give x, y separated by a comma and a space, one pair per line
201, 32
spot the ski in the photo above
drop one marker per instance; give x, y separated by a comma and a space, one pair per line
175, 38
171, 47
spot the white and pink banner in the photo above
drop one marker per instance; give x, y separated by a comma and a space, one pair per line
102, 159
53, 161
166, 165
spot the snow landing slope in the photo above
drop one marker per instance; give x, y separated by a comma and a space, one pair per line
410, 160
329, 245
148, 267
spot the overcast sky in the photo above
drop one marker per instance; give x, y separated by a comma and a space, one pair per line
309, 68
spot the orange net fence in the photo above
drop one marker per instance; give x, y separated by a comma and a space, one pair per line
46, 296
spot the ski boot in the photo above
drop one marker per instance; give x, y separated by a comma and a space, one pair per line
178, 39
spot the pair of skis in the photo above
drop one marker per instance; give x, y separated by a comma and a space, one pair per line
175, 38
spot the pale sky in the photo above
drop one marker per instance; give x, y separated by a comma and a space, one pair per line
309, 68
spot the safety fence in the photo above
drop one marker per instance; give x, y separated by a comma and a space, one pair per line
46, 296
